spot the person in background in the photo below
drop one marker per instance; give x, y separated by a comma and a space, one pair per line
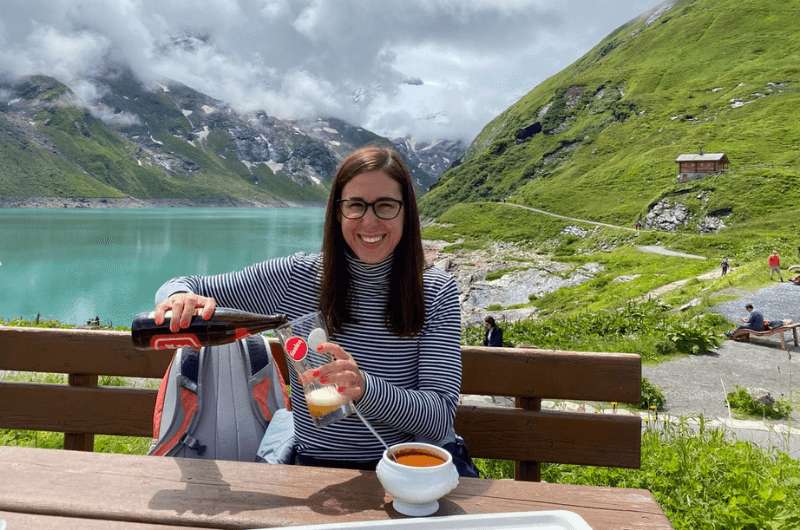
774, 263
494, 334
754, 322
724, 265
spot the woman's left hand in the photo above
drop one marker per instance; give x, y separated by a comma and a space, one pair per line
342, 372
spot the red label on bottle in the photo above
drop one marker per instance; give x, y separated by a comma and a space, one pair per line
241, 333
174, 340
297, 348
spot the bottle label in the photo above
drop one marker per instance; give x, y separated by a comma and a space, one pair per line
297, 348
174, 341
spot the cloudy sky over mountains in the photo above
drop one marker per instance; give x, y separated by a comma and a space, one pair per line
429, 68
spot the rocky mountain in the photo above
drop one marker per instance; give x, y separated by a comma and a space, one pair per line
426, 160
166, 144
599, 139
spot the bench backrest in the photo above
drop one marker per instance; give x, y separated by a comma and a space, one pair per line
524, 434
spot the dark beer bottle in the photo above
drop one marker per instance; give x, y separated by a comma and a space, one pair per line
224, 326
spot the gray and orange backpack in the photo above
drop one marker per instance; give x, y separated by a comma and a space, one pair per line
216, 402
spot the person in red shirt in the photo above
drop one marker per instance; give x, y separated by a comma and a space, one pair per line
774, 262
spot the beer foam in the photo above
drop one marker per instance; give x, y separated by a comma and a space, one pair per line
327, 396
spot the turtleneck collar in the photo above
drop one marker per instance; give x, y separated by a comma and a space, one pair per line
368, 271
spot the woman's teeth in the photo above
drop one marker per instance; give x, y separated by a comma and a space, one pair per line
371, 239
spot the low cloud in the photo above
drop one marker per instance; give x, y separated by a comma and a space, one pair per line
429, 68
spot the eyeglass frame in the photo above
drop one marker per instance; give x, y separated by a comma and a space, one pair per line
368, 205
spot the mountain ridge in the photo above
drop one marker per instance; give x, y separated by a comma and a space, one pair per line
167, 145
598, 140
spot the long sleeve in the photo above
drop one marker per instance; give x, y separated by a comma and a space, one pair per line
258, 288
429, 410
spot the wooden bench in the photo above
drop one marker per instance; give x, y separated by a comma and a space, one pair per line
525, 434
745, 334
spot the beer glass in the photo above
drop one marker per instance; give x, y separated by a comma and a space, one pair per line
300, 338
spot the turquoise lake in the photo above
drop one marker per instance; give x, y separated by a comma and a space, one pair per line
75, 264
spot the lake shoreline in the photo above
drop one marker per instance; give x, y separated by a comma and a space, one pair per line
132, 202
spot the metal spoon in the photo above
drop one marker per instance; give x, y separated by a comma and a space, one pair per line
373, 431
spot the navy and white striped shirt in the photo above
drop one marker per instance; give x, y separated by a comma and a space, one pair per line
412, 383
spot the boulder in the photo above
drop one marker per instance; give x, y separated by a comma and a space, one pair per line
762, 396
667, 216
710, 224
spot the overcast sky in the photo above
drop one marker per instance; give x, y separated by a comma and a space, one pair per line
429, 68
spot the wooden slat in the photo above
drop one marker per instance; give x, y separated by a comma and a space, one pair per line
528, 469
31, 521
224, 494
570, 438
546, 436
526, 372
78, 351
517, 372
61, 408
82, 441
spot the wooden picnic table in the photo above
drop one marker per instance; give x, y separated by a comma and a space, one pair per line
48, 488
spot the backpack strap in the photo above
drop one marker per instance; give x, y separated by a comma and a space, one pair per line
179, 390
267, 388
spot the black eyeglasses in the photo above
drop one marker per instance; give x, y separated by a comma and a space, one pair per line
384, 208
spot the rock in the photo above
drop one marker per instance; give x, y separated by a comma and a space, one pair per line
625, 278
762, 396
528, 131
575, 231
710, 224
443, 264
666, 216
688, 305
590, 268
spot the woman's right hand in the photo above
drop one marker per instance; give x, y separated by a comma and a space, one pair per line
183, 307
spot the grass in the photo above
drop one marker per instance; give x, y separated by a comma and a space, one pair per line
744, 405
647, 328
131, 445
700, 478
637, 107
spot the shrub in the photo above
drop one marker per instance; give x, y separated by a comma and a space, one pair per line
742, 402
696, 336
700, 479
647, 328
651, 396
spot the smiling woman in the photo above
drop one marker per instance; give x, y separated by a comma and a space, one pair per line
395, 326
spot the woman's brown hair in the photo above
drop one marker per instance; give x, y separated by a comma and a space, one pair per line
405, 307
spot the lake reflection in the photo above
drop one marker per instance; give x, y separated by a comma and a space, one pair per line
73, 264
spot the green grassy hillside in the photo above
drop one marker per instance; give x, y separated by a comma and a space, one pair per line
721, 74
51, 146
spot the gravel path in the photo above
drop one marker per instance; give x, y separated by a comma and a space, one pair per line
693, 384
655, 249
566, 217
776, 302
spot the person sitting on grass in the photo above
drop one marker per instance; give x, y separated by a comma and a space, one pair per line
753, 322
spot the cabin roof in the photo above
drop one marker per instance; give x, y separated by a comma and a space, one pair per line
706, 157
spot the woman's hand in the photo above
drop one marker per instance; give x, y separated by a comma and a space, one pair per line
342, 372
183, 306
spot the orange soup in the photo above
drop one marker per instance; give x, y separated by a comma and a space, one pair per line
417, 458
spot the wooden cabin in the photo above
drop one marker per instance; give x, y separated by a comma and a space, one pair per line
698, 165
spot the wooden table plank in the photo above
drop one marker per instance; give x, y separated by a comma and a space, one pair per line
27, 521
209, 493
